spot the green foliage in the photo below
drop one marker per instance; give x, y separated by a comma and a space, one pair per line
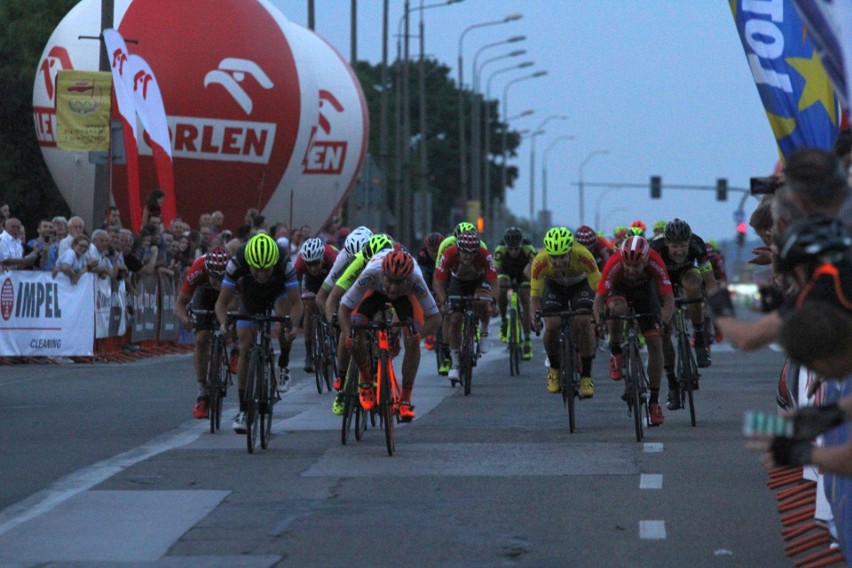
24, 180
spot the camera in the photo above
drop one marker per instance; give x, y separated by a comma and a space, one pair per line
764, 185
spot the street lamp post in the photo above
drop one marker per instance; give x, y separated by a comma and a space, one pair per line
532, 163
580, 180
503, 174
598, 206
544, 173
462, 149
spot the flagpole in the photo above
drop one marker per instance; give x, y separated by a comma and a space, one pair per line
100, 194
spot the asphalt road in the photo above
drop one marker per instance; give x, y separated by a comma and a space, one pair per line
103, 464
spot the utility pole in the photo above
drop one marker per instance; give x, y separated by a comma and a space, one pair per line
100, 196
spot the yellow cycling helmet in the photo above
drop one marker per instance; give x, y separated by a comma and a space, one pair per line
262, 251
375, 244
558, 241
463, 227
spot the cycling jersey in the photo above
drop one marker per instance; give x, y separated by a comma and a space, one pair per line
513, 267
341, 263
257, 297
310, 283
602, 250
450, 264
359, 262
581, 266
371, 279
696, 255
196, 277
614, 275
427, 265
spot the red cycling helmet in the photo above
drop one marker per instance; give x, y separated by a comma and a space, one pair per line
397, 264
635, 251
468, 241
216, 261
433, 240
640, 224
586, 236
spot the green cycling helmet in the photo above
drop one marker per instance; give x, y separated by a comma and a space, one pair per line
375, 244
558, 241
262, 251
463, 227
636, 231
660, 225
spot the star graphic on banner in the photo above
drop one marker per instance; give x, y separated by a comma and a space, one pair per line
817, 87
781, 125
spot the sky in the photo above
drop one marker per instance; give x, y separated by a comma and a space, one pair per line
662, 86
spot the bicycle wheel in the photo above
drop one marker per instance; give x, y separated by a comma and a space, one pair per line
634, 375
330, 357
267, 402
214, 380
316, 351
514, 350
566, 379
688, 373
253, 400
350, 404
386, 403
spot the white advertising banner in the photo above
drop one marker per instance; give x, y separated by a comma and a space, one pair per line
46, 317
103, 306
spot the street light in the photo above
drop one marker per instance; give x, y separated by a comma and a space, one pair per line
598, 206
580, 180
503, 179
522, 115
532, 163
544, 171
462, 150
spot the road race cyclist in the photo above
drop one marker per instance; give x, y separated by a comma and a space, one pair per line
451, 240
564, 276
659, 228
262, 270
600, 248
426, 259
200, 289
685, 256
511, 257
353, 244
465, 269
636, 277
313, 264
392, 277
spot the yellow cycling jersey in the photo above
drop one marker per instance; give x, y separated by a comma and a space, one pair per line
581, 266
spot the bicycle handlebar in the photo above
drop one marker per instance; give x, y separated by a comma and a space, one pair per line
259, 318
605, 317
488, 299
562, 314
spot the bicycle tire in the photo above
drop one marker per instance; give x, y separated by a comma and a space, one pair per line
566, 379
252, 402
317, 352
267, 403
386, 404
513, 339
467, 354
350, 405
214, 380
634, 370
330, 357
687, 372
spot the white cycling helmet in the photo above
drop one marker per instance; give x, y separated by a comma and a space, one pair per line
312, 250
357, 239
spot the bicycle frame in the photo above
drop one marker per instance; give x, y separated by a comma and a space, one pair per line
514, 330
569, 369
687, 367
469, 350
218, 373
636, 385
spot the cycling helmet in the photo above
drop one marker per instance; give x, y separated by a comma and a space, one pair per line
558, 241
586, 236
377, 243
462, 227
678, 230
433, 240
262, 251
216, 261
397, 265
468, 241
659, 225
312, 250
635, 251
711, 245
513, 237
620, 232
635, 232
811, 240
357, 239
639, 223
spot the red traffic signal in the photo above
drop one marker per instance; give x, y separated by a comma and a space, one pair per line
742, 228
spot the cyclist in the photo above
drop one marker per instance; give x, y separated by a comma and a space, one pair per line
638, 224
511, 257
659, 228
392, 277
466, 268
637, 276
619, 234
600, 248
426, 260
200, 289
313, 263
451, 240
564, 276
353, 244
262, 270
685, 256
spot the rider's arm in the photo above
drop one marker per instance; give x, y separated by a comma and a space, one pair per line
749, 335
709, 278
344, 320
598, 307
296, 308
180, 307
222, 302
668, 307
333, 301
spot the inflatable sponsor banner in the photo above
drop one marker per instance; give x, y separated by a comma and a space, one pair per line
45, 317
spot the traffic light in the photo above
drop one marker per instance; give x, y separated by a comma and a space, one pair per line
656, 187
742, 229
480, 224
722, 189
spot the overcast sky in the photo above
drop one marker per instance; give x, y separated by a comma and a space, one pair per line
662, 85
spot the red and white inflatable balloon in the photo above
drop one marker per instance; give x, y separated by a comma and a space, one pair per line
262, 112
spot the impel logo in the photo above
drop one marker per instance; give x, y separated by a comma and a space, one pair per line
7, 299
325, 156
231, 72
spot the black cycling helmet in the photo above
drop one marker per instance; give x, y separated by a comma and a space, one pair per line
433, 240
811, 240
678, 231
513, 237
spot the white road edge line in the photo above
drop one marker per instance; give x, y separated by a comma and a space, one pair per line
652, 530
651, 481
652, 447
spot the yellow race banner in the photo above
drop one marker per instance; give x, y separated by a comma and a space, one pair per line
83, 110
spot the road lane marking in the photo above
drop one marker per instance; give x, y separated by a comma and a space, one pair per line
651, 481
652, 530
652, 447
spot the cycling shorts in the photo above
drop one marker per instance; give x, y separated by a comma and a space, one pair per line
676, 276
575, 297
407, 308
644, 300
204, 298
465, 288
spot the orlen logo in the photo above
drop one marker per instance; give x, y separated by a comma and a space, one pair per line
55, 55
45, 117
325, 156
231, 73
7, 299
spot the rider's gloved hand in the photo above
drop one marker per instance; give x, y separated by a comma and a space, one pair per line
788, 451
811, 421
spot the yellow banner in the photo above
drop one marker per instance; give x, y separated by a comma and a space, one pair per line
82, 110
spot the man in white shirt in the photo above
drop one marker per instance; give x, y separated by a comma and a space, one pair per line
12, 249
75, 229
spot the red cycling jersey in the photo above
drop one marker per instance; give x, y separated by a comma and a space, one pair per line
615, 275
196, 277
329, 255
450, 262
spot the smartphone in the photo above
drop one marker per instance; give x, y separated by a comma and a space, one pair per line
757, 422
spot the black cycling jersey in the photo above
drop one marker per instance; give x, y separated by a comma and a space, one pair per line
697, 252
259, 296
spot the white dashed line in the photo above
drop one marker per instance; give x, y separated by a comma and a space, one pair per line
651, 481
652, 530
652, 447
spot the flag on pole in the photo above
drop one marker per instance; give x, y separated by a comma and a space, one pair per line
152, 113
82, 110
794, 87
123, 82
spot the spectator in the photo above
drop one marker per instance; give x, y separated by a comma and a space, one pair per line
251, 213
76, 226
5, 212
60, 229
178, 226
240, 238
73, 262
113, 218
184, 256
205, 220
11, 249
218, 222
153, 205
99, 262
42, 244
126, 244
